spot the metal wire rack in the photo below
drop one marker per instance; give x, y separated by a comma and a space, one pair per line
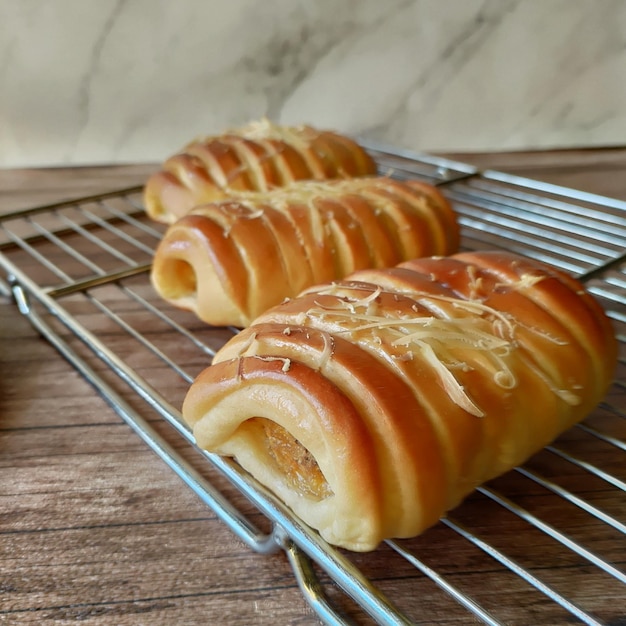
542, 540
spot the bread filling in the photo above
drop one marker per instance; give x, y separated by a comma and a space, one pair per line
297, 463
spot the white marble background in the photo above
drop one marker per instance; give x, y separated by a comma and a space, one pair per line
100, 81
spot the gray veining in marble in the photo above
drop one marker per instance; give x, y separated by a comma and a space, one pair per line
127, 80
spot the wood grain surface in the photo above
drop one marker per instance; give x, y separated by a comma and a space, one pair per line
95, 529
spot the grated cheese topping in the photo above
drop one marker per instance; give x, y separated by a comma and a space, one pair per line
525, 281
286, 362
437, 337
329, 344
264, 128
442, 330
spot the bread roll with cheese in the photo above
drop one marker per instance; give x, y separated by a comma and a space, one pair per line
373, 405
257, 157
230, 261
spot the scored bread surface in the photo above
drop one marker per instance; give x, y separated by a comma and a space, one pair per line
374, 404
229, 261
260, 156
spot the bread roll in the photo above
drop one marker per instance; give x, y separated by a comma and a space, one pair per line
257, 157
230, 261
373, 405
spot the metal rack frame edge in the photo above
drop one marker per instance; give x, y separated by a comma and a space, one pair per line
298, 551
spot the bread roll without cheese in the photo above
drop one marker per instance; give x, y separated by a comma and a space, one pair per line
230, 261
257, 157
373, 405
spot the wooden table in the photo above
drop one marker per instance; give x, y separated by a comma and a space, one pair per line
93, 527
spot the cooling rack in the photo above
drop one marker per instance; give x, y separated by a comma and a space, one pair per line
546, 543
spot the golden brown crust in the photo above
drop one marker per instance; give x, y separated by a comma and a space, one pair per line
329, 427
445, 372
231, 260
257, 157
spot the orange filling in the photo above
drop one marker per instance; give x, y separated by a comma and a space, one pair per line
294, 460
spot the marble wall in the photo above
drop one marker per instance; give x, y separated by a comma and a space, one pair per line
86, 81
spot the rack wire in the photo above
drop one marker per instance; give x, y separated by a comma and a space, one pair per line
542, 540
